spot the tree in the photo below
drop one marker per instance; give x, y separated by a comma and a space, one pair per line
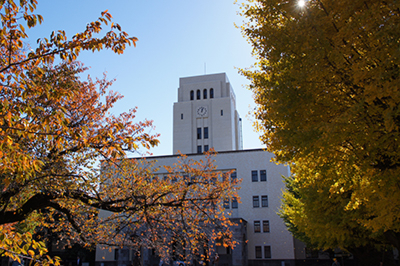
327, 95
55, 127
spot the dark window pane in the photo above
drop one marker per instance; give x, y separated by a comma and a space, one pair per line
264, 201
226, 204
199, 149
181, 116
263, 175
198, 94
205, 94
258, 252
206, 132
205, 148
211, 93
234, 177
266, 226
191, 95
257, 227
234, 203
254, 176
267, 252
199, 133
256, 202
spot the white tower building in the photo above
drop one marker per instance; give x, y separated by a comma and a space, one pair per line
205, 115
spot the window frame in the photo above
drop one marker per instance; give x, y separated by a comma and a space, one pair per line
267, 252
199, 149
198, 95
235, 203
264, 199
199, 133
205, 94
256, 201
257, 226
265, 226
254, 176
258, 252
205, 132
263, 175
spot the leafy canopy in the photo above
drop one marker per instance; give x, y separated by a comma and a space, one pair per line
55, 126
327, 94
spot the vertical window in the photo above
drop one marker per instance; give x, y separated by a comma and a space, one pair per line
205, 148
222, 112
181, 116
257, 227
254, 176
258, 252
234, 177
263, 175
199, 133
206, 133
199, 149
116, 253
264, 201
234, 203
211, 93
256, 201
205, 94
191, 95
267, 252
226, 204
266, 226
198, 95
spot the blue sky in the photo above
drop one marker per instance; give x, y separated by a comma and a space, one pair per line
177, 38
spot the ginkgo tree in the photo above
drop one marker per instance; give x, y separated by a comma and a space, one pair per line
327, 95
56, 126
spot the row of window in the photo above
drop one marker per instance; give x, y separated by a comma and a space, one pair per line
267, 252
231, 204
263, 175
265, 226
198, 94
256, 202
205, 131
264, 201
200, 148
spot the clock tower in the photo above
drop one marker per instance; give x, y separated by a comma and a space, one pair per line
205, 115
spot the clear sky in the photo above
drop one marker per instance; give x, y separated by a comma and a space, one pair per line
177, 38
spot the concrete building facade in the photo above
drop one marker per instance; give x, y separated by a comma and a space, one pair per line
205, 117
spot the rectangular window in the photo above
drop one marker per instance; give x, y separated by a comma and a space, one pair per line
254, 176
234, 203
256, 201
181, 116
226, 204
267, 252
257, 227
264, 201
199, 133
222, 112
234, 177
199, 149
263, 175
116, 253
206, 133
266, 226
205, 148
258, 252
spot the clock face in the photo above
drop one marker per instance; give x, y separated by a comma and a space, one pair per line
202, 111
